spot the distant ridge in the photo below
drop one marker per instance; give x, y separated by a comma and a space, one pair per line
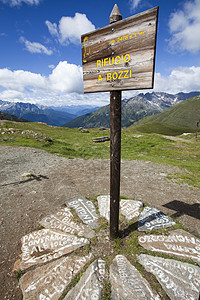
6, 116
35, 113
133, 109
185, 114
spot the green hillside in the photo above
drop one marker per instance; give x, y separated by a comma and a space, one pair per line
185, 115
161, 128
6, 116
183, 152
101, 118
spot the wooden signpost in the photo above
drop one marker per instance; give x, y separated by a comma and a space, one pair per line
120, 56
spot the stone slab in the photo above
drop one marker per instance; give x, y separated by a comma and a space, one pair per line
63, 220
151, 218
127, 282
90, 285
104, 206
179, 280
50, 280
85, 209
129, 208
179, 243
44, 245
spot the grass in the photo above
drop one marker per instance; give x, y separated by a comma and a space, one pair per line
137, 143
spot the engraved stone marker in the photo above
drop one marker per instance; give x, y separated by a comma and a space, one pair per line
63, 220
127, 283
44, 245
179, 280
50, 280
85, 209
90, 285
179, 243
104, 206
130, 208
151, 218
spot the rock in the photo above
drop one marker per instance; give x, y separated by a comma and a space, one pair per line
49, 281
85, 130
130, 208
179, 280
101, 139
85, 209
151, 218
16, 267
102, 128
90, 285
179, 243
44, 245
63, 220
104, 206
27, 175
128, 283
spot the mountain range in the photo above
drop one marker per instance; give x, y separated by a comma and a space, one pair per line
55, 116
185, 114
133, 109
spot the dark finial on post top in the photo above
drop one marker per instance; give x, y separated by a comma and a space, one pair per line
115, 15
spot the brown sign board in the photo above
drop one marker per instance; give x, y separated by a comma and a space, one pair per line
121, 56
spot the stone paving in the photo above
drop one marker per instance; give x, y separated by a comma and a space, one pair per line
151, 218
179, 280
127, 282
50, 263
130, 209
178, 243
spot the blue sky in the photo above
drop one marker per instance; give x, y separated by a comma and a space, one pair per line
40, 59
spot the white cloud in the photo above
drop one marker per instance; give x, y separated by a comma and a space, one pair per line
12, 95
34, 47
180, 80
19, 2
134, 3
18, 80
53, 28
184, 26
66, 78
51, 66
64, 86
70, 29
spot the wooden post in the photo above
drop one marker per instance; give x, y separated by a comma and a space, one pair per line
115, 148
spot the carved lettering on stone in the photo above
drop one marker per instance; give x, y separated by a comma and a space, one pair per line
85, 209
129, 208
104, 206
90, 285
127, 282
179, 280
179, 243
50, 280
44, 245
151, 218
63, 220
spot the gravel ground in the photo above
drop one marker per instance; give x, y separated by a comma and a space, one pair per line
24, 201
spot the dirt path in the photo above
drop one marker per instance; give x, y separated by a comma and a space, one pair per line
24, 201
